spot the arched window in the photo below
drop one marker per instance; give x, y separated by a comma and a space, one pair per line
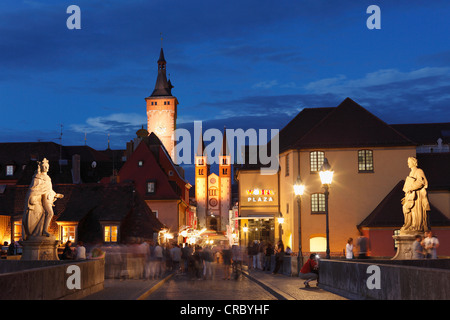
318, 244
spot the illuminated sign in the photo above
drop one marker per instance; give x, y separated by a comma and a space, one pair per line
260, 195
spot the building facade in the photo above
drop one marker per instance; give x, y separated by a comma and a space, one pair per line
213, 192
369, 159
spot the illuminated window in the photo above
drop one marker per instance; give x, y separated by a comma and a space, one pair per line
316, 160
151, 186
111, 233
317, 203
318, 244
68, 233
17, 230
9, 170
365, 161
140, 163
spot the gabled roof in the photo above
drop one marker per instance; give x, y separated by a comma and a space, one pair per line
25, 154
389, 212
113, 202
350, 125
300, 125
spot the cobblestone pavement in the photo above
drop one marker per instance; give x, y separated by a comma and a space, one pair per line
252, 285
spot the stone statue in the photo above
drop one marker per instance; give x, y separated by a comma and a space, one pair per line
415, 203
39, 203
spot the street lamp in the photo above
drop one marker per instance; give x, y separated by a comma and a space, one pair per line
299, 189
326, 177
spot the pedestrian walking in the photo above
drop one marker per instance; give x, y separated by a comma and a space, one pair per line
208, 258
158, 254
268, 257
363, 244
279, 257
175, 254
226, 257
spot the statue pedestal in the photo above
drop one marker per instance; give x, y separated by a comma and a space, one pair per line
40, 248
404, 245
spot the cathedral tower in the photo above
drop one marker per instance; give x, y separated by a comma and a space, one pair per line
201, 182
162, 108
225, 181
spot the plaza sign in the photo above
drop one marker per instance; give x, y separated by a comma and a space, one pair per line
260, 195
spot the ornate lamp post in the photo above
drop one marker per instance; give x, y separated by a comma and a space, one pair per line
326, 177
299, 189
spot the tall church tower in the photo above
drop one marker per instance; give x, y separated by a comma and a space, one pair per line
212, 191
162, 108
225, 182
201, 183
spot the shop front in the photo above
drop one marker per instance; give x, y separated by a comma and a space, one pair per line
258, 207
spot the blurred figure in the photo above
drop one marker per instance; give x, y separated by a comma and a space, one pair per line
349, 249
68, 251
186, 254
158, 254
430, 244
268, 257
260, 255
226, 257
80, 251
208, 259
417, 249
175, 254
279, 257
363, 245
237, 258
198, 262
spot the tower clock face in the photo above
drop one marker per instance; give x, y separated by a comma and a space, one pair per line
160, 129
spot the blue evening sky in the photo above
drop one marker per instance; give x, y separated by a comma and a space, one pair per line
240, 64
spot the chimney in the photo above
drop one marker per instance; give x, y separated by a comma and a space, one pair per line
76, 177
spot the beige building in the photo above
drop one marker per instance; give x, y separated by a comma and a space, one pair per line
368, 158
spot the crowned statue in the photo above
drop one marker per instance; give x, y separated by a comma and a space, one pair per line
39, 203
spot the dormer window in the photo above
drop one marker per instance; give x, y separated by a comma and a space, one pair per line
151, 187
9, 170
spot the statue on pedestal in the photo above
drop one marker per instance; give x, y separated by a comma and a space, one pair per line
415, 206
39, 203
415, 203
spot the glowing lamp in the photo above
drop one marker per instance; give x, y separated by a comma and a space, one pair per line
326, 174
